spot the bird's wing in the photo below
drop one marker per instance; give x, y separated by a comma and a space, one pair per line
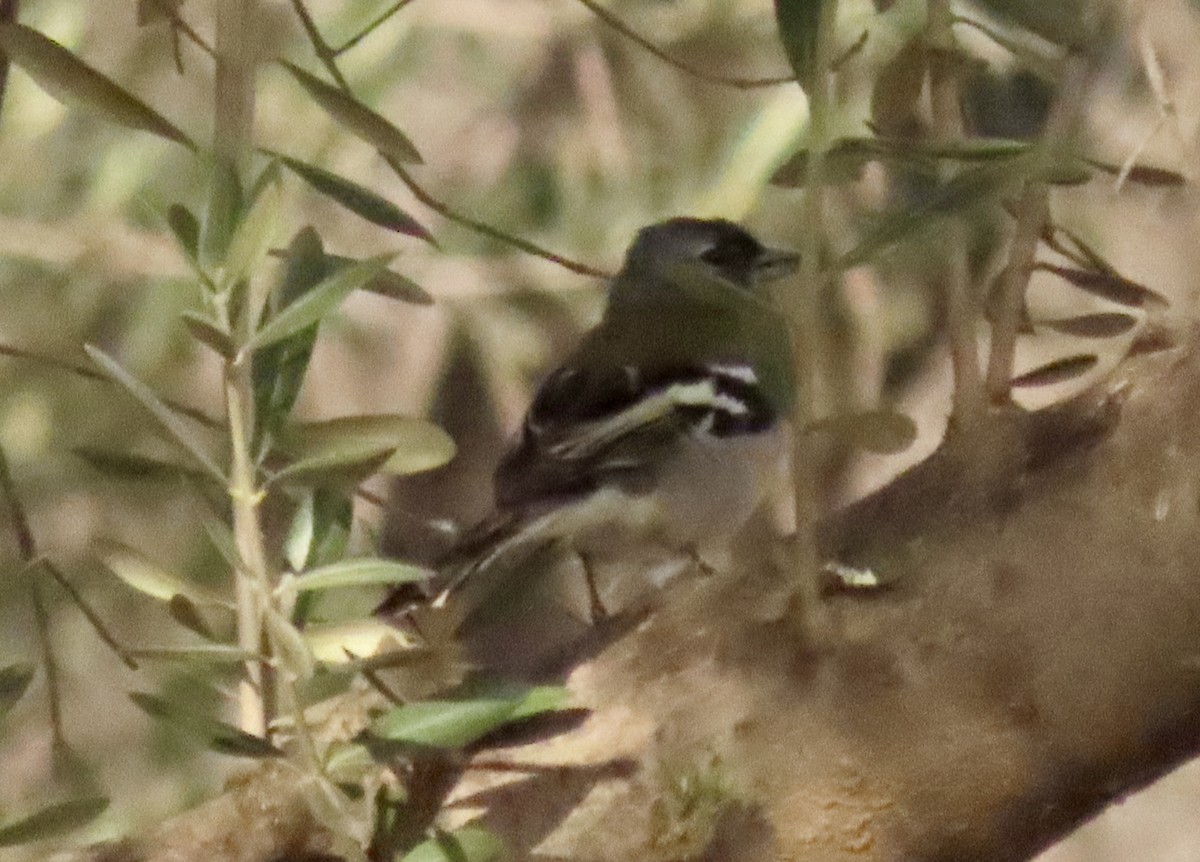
590, 425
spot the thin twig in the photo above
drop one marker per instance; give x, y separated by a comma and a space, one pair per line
49, 666
179, 25
968, 408
711, 77
25, 541
328, 58
234, 120
1032, 218
92, 374
803, 310
89, 613
487, 230
1033, 211
379, 21
323, 50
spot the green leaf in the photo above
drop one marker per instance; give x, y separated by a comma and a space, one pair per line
184, 611
458, 723
199, 654
1056, 372
208, 333
297, 545
291, 651
798, 22
1100, 325
358, 572
1107, 285
333, 517
358, 199
152, 580
255, 235
336, 643
540, 699
169, 421
357, 117
128, 465
968, 189
279, 369
318, 302
186, 230
65, 77
216, 734
468, 844
14, 679
222, 213
444, 723
389, 283
52, 821
418, 444
347, 465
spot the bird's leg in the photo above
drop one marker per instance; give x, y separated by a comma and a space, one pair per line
596, 608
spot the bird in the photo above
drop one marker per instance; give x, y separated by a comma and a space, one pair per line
665, 426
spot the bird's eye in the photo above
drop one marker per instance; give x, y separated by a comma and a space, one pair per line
727, 254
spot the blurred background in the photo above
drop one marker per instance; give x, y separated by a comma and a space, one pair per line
538, 117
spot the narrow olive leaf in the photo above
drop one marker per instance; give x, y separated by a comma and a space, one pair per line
798, 22
153, 11
52, 821
222, 212
541, 699
220, 535
254, 237
208, 333
291, 650
14, 679
216, 734
968, 189
883, 432
1107, 285
1101, 325
200, 654
388, 283
418, 444
444, 723
314, 305
333, 518
1144, 174
360, 572
151, 579
170, 421
1058, 371
336, 643
130, 466
348, 465
184, 611
279, 369
61, 74
468, 844
297, 545
186, 229
360, 200
357, 118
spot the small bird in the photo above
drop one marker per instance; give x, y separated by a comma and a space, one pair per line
666, 426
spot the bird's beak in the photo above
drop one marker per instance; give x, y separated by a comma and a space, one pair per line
776, 263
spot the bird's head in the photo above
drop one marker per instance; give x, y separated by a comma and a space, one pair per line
719, 247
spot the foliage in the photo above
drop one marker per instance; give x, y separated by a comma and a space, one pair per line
253, 296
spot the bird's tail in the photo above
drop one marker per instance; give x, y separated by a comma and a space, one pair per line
479, 556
